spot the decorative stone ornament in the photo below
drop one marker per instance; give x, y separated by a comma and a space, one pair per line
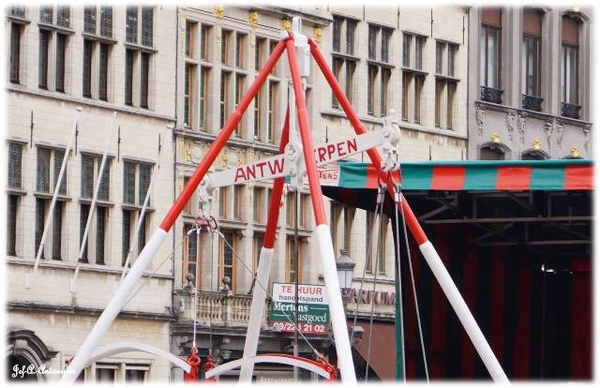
495, 138
574, 152
318, 34
219, 11
286, 24
536, 145
253, 18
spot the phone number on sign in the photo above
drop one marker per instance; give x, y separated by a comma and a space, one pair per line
308, 328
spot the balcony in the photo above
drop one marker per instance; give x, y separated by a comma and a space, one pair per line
570, 110
225, 309
532, 102
491, 94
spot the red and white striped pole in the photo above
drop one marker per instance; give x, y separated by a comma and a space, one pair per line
121, 296
327, 255
431, 256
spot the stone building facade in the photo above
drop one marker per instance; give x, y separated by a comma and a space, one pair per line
105, 60
530, 95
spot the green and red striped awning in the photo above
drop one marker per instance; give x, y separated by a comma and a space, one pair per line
564, 174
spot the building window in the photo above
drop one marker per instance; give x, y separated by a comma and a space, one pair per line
531, 59
106, 21
136, 182
344, 60
266, 102
15, 166
224, 202
490, 59
53, 44
192, 241
49, 162
258, 242
446, 84
97, 236
119, 373
491, 152
342, 220
90, 167
137, 59
379, 70
259, 205
227, 249
98, 53
238, 201
89, 19
196, 91
15, 182
291, 275
131, 24
16, 31
54, 245
413, 76
570, 68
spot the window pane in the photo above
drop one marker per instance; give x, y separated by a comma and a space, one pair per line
87, 176
100, 233
104, 191
439, 57
372, 41
131, 27
337, 36
64, 16
419, 41
406, 50
89, 19
12, 204
43, 59
15, 165
40, 219
61, 49
106, 20
145, 174
15, 52
350, 32
129, 182
126, 236
129, 57
103, 72
144, 80
147, 26
43, 170
46, 14
58, 159
87, 68
57, 231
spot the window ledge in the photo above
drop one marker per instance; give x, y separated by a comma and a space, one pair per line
99, 202
447, 78
60, 197
406, 69
15, 191
131, 206
380, 63
345, 56
99, 38
54, 27
138, 47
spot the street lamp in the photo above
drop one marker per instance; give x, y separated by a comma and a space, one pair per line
345, 269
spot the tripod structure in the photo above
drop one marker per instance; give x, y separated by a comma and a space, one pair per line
299, 156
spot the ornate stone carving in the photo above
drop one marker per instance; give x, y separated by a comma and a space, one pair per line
286, 24
549, 129
511, 121
495, 138
219, 11
318, 34
559, 128
586, 144
536, 145
521, 128
480, 117
253, 18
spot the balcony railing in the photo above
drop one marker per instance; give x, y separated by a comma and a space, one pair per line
226, 309
569, 110
532, 102
491, 94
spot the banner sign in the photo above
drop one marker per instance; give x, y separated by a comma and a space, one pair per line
313, 310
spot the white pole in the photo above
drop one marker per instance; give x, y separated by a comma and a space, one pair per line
463, 312
29, 280
93, 205
114, 306
336, 306
256, 313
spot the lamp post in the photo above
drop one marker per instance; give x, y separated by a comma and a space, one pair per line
345, 272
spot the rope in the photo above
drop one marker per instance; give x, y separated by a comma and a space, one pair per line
414, 289
399, 277
380, 198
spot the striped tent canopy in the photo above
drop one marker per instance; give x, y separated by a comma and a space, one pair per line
564, 174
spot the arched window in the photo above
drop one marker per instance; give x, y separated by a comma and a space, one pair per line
570, 67
493, 151
533, 154
26, 350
